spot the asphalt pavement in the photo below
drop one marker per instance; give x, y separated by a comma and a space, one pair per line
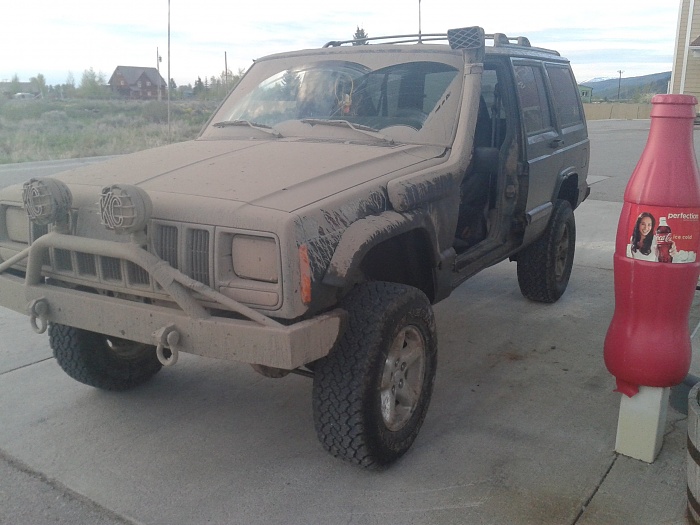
521, 428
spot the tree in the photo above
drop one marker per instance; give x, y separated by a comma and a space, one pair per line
91, 84
290, 84
39, 85
198, 86
67, 90
15, 86
235, 79
361, 36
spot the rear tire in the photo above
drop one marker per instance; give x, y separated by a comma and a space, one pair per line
544, 267
101, 361
371, 393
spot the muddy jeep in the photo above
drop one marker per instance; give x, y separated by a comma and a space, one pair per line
332, 198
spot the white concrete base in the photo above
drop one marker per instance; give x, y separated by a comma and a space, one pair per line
641, 423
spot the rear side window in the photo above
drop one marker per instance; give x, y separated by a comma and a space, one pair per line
565, 93
533, 98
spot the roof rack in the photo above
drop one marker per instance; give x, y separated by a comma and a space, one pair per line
470, 34
394, 39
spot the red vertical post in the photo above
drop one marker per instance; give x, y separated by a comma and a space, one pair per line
656, 255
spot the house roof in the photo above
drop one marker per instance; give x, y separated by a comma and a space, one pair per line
131, 75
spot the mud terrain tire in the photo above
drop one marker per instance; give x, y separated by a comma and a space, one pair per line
544, 267
371, 393
104, 362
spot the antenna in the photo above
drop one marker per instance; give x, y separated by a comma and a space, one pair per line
420, 40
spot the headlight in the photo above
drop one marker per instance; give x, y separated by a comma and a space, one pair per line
254, 258
17, 225
125, 208
46, 200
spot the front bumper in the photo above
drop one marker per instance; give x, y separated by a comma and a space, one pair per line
253, 338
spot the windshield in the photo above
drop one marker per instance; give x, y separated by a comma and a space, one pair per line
398, 95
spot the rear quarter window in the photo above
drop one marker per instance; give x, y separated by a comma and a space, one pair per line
565, 94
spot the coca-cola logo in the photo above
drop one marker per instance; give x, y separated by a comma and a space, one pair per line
664, 237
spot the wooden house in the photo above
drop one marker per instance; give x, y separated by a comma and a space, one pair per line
138, 82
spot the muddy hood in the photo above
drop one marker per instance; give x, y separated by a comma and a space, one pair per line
281, 174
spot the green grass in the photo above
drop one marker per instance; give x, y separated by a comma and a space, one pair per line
32, 130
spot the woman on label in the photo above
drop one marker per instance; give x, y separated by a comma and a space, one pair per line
643, 242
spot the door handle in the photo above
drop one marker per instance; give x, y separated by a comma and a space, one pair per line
556, 143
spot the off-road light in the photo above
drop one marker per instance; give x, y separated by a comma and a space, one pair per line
125, 208
46, 200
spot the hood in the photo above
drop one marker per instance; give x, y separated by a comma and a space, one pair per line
279, 174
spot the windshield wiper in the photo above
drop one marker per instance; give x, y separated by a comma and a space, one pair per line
365, 130
260, 127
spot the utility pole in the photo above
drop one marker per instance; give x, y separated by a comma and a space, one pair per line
159, 59
619, 83
168, 83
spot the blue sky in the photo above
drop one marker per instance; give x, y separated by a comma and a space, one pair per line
55, 38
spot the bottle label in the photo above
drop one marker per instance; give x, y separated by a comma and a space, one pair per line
676, 241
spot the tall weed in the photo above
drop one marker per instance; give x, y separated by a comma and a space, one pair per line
33, 130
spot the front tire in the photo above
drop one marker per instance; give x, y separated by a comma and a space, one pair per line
101, 361
544, 267
371, 393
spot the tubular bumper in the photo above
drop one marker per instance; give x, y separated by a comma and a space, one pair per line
257, 339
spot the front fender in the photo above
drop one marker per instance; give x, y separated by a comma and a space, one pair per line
363, 235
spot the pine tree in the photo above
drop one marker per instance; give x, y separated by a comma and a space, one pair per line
360, 36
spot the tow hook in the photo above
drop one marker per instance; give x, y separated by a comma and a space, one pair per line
38, 309
167, 337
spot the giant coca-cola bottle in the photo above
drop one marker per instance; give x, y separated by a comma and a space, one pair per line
648, 341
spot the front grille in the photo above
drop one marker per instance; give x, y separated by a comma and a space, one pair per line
86, 264
198, 254
62, 260
137, 275
111, 269
38, 230
165, 244
187, 249
193, 258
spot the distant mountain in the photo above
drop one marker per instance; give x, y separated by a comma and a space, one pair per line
630, 88
597, 79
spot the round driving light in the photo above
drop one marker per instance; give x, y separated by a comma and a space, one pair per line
46, 200
125, 208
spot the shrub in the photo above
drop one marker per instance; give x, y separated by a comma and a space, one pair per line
32, 130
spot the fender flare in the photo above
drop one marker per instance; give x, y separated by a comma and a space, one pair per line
363, 235
562, 180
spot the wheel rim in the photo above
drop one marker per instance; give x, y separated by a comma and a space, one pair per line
561, 253
403, 377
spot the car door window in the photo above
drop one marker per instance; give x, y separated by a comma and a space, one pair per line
533, 99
